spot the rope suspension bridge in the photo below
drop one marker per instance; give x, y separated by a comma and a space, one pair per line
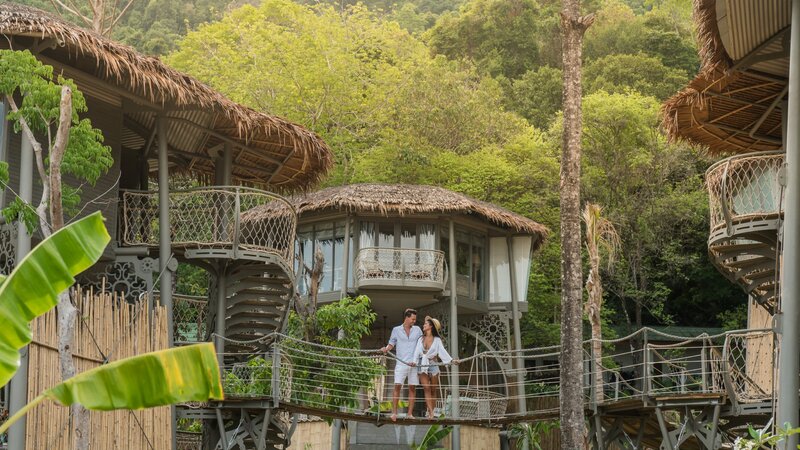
645, 369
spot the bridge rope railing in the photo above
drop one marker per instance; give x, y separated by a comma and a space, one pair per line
333, 381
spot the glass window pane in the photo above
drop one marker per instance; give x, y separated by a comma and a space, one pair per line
367, 235
477, 275
408, 235
306, 252
427, 236
324, 240
338, 256
386, 235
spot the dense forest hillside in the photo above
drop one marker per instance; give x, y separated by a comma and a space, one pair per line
466, 94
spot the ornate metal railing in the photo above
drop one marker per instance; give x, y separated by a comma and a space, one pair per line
743, 189
215, 217
400, 265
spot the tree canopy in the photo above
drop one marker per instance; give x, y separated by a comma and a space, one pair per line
466, 94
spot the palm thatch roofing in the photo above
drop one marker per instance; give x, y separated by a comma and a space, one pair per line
734, 105
268, 150
402, 200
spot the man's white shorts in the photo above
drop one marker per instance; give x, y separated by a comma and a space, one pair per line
401, 371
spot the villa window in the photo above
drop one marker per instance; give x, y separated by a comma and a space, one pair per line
471, 263
328, 237
397, 235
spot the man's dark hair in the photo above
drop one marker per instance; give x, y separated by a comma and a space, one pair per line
409, 312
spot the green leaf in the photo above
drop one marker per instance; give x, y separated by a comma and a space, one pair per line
159, 378
32, 288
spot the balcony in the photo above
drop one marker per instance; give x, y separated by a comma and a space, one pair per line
207, 222
744, 195
390, 268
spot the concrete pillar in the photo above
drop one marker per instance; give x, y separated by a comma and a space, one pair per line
453, 334
789, 329
519, 364
19, 384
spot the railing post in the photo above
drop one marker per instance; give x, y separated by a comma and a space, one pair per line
726, 372
645, 366
276, 373
703, 364
237, 218
724, 199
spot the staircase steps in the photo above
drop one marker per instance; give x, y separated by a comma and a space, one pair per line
748, 259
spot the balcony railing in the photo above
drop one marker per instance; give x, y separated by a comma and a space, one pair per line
189, 317
393, 267
743, 191
212, 218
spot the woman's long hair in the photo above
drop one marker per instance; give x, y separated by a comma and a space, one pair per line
434, 331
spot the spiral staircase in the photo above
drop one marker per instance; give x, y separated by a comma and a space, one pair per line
251, 260
745, 197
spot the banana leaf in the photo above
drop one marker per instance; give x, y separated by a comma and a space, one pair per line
32, 288
159, 378
182, 374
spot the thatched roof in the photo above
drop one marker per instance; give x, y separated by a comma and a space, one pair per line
724, 112
271, 151
734, 104
402, 200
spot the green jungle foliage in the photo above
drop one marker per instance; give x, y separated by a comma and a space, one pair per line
473, 105
85, 159
466, 94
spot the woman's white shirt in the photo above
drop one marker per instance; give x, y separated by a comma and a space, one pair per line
424, 358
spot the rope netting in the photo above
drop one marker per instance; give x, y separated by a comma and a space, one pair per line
217, 217
744, 187
494, 386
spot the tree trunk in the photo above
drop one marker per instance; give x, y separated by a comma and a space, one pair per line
67, 313
571, 400
593, 307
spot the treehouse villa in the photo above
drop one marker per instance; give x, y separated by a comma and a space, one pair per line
200, 180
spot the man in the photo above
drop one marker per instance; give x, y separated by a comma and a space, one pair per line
404, 340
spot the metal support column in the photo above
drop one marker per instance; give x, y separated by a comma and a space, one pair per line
453, 335
164, 238
518, 362
165, 242
19, 384
219, 327
223, 173
346, 256
789, 331
336, 429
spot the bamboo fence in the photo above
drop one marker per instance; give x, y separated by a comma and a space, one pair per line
108, 329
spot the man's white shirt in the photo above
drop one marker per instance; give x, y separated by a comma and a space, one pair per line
404, 344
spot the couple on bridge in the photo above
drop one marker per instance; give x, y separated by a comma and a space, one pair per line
418, 352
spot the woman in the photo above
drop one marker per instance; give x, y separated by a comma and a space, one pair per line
429, 348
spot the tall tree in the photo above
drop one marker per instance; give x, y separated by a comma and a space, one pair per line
72, 147
102, 17
600, 235
573, 26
